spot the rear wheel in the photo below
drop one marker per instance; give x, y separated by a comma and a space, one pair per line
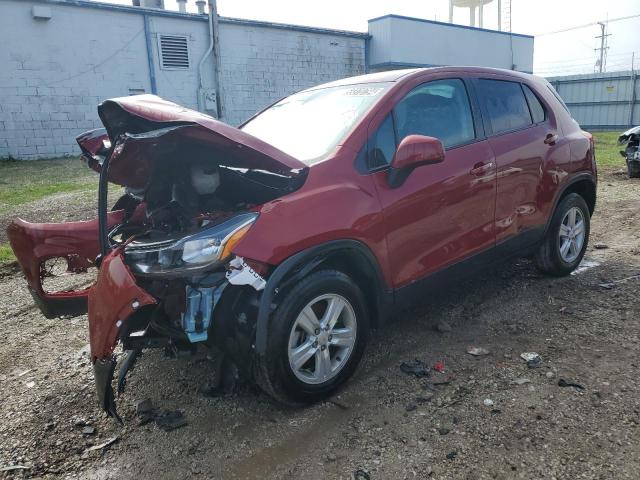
566, 239
317, 337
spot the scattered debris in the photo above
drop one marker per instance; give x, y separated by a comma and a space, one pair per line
521, 381
607, 286
144, 406
550, 374
103, 445
584, 266
417, 368
600, 246
563, 383
145, 411
443, 381
170, 420
11, 468
88, 430
422, 400
439, 367
452, 455
443, 327
488, 402
443, 431
411, 407
532, 358
477, 351
361, 475
30, 384
339, 404
23, 373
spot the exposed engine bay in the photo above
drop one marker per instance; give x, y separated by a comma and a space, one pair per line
193, 189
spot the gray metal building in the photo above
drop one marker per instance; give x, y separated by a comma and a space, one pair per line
601, 101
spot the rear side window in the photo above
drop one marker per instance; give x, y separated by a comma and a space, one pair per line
438, 109
559, 98
382, 145
537, 110
506, 105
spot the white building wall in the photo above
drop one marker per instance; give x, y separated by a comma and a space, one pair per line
261, 64
56, 71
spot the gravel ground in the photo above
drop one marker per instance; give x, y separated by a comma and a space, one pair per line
488, 416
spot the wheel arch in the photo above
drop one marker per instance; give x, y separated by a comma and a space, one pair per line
352, 257
584, 185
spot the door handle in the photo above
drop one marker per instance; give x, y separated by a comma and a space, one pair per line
551, 139
481, 168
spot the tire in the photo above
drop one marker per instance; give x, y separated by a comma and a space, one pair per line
633, 167
550, 258
288, 328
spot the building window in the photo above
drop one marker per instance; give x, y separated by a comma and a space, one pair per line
174, 52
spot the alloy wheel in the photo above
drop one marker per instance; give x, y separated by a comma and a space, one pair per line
571, 235
322, 339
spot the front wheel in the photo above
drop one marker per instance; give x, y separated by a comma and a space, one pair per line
317, 337
566, 239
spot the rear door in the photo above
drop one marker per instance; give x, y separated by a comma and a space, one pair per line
444, 212
522, 136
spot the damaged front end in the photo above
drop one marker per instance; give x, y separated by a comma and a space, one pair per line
165, 254
631, 153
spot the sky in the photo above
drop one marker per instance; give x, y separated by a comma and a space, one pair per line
554, 54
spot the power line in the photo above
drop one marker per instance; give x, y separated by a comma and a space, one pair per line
587, 25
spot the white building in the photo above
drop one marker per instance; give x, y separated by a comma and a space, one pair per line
62, 57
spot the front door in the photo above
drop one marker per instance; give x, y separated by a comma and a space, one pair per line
442, 213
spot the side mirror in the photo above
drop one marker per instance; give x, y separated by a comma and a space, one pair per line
414, 151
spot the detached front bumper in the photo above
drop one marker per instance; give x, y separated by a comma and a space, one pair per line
112, 300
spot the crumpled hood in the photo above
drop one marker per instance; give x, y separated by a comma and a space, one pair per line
139, 128
626, 136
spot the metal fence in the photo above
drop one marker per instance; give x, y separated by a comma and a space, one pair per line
602, 101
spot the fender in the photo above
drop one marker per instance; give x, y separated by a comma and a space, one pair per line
561, 191
313, 257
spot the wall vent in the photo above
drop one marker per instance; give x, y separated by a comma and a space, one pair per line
174, 52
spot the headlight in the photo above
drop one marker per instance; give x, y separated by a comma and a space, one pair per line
201, 251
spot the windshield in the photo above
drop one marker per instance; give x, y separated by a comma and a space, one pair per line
308, 125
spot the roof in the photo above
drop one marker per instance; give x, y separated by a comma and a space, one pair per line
203, 18
404, 74
447, 24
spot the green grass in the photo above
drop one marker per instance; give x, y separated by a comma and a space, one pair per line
26, 181
607, 150
6, 254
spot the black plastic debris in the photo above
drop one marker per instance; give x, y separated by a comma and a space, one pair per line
170, 420
145, 411
416, 368
452, 455
361, 475
563, 383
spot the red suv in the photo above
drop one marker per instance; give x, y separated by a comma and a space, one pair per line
284, 241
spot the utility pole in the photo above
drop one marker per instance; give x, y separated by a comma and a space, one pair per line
603, 45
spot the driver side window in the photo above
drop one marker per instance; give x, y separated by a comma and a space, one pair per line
437, 109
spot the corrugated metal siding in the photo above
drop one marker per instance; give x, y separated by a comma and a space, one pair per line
601, 101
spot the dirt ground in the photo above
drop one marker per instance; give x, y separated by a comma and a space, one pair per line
484, 417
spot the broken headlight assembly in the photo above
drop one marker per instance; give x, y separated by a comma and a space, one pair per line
189, 255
